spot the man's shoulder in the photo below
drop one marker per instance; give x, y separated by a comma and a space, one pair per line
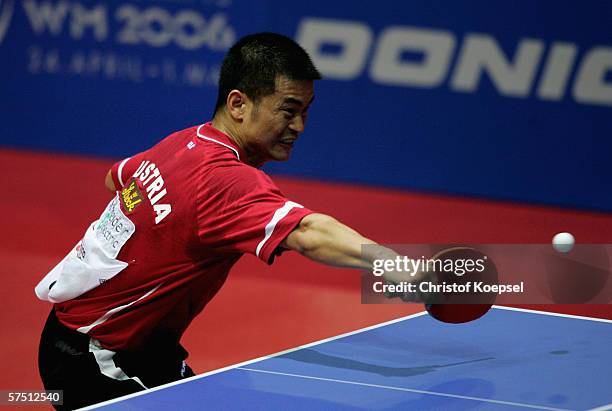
190, 140
186, 132
173, 138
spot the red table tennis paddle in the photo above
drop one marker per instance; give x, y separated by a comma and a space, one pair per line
458, 308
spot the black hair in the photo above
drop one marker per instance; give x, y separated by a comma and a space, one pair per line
254, 62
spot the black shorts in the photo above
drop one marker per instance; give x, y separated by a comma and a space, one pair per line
87, 373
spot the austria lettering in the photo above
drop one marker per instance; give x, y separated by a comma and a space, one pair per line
153, 182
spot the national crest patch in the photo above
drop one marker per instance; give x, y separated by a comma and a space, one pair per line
131, 196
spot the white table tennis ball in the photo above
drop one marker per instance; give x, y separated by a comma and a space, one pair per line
563, 242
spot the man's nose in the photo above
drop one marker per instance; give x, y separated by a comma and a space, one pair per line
298, 124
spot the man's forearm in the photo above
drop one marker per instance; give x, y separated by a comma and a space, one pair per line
326, 240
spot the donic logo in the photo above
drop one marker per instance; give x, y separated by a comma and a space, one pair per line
6, 14
358, 49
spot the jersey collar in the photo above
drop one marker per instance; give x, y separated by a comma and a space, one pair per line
209, 133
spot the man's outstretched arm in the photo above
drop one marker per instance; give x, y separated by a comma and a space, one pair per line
324, 239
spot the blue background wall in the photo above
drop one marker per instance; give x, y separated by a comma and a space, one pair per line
112, 78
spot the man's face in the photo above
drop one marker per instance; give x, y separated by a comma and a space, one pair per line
273, 124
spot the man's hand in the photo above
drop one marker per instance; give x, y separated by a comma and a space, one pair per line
396, 278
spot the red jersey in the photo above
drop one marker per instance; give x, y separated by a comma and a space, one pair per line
185, 212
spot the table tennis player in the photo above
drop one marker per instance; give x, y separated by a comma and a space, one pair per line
184, 212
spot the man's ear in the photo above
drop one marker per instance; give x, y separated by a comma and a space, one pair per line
236, 104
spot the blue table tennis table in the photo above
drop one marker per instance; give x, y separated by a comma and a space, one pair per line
510, 359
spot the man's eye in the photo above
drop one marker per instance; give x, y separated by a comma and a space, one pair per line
289, 112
